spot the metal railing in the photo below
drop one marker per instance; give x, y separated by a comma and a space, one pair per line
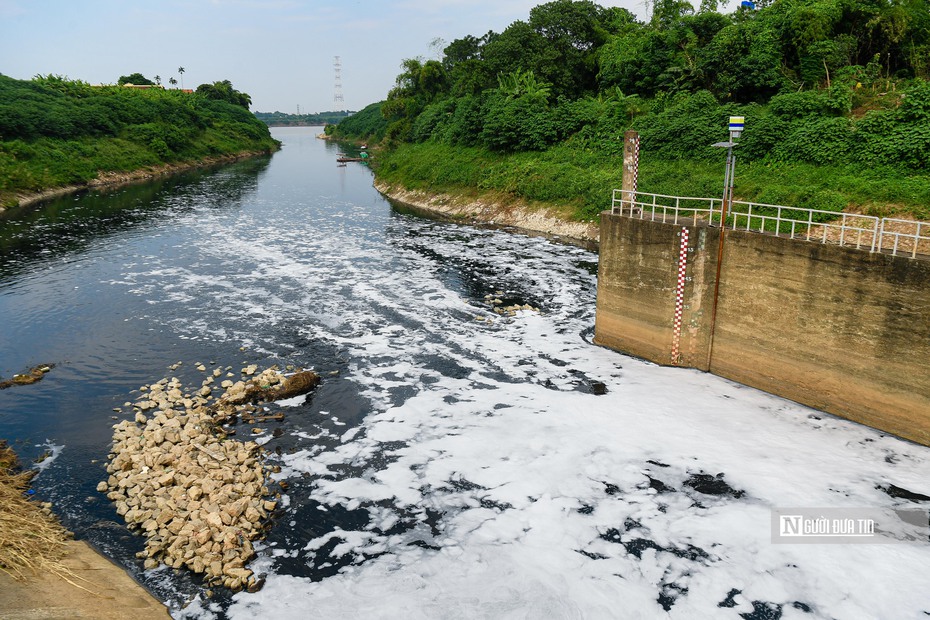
667, 209
906, 236
845, 229
865, 232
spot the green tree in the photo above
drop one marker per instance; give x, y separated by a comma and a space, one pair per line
520, 123
573, 31
224, 91
743, 62
135, 78
519, 46
418, 85
666, 13
467, 73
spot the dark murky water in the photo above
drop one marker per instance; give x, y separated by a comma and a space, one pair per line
271, 260
454, 463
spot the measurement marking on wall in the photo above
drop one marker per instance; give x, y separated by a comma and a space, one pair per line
680, 296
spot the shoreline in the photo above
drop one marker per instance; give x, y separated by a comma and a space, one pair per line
518, 214
46, 573
95, 587
117, 179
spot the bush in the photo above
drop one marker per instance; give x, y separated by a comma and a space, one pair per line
916, 103
467, 122
571, 116
765, 133
817, 141
686, 127
517, 124
431, 119
367, 124
798, 105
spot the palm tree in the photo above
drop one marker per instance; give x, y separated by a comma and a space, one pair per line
172, 81
181, 71
158, 80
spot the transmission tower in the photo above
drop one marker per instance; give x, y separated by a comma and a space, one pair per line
338, 100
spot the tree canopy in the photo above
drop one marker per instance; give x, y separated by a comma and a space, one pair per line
817, 74
224, 91
135, 78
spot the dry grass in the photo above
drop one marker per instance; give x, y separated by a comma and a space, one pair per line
31, 538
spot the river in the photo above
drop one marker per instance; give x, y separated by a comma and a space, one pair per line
455, 462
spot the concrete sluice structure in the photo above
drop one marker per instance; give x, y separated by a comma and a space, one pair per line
840, 329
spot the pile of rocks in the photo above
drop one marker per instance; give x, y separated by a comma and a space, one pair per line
495, 302
198, 497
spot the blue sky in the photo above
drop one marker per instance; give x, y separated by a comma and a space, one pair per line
281, 52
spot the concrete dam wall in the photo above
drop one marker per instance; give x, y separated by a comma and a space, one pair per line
840, 329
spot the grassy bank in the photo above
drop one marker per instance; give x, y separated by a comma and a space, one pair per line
582, 180
55, 132
31, 539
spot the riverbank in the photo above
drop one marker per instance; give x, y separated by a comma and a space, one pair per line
118, 179
93, 588
44, 574
488, 209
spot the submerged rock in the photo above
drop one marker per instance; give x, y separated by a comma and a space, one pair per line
33, 375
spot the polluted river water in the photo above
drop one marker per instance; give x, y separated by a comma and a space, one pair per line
457, 460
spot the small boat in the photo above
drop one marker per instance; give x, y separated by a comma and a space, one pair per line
342, 160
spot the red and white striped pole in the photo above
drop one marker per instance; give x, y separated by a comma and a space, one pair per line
680, 296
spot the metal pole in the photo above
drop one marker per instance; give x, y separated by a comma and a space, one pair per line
736, 127
732, 157
727, 185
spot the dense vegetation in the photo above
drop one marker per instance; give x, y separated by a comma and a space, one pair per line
834, 92
282, 119
55, 131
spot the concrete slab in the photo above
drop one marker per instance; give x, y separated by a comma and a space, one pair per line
112, 595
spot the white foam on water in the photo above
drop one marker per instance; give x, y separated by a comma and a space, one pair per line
296, 401
52, 452
522, 494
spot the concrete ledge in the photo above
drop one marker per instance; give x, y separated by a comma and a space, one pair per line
111, 594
